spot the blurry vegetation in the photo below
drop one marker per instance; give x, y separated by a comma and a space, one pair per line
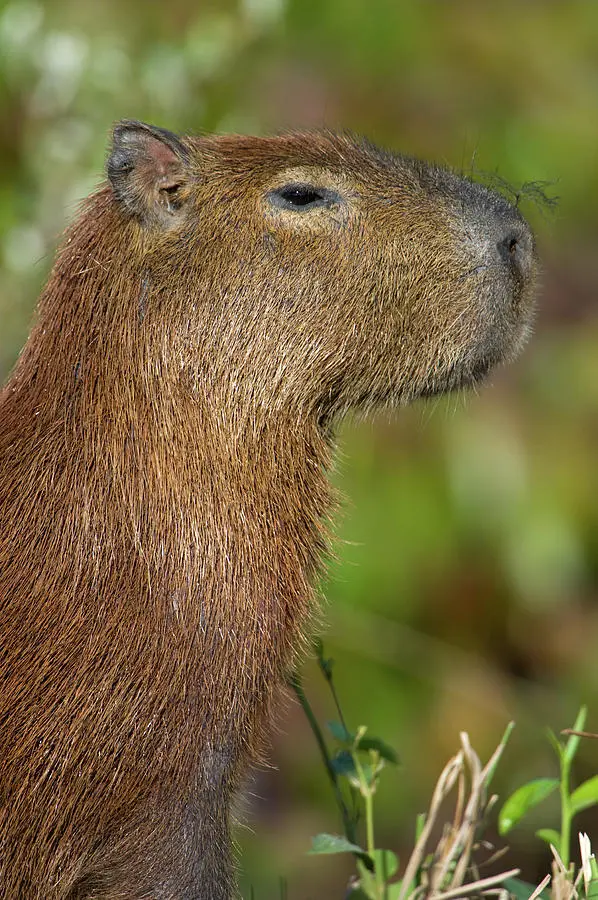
452, 853
464, 593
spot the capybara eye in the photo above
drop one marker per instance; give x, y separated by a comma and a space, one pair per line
301, 197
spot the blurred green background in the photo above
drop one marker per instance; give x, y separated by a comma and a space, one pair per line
466, 586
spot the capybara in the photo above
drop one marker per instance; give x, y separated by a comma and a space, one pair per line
165, 436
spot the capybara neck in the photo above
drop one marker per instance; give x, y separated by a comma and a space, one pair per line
166, 462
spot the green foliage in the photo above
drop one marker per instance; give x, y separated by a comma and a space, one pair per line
354, 768
585, 795
332, 843
534, 792
529, 795
524, 799
522, 890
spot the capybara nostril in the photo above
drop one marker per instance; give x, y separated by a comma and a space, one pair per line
516, 247
508, 247
508, 237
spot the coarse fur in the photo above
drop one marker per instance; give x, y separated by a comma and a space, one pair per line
164, 443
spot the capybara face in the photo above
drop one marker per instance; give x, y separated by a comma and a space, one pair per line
354, 277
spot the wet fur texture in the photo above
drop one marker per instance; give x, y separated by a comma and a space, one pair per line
164, 505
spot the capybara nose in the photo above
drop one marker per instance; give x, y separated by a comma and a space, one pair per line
515, 246
496, 236
499, 237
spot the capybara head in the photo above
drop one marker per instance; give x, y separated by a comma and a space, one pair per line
317, 273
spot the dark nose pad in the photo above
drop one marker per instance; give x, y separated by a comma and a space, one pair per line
499, 237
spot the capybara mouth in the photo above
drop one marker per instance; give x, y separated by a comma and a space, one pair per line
460, 376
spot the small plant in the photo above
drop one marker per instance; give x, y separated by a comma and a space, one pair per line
528, 796
354, 769
447, 869
360, 760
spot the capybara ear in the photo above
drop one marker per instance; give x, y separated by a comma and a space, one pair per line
147, 169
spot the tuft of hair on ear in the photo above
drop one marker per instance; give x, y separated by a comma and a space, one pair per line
147, 168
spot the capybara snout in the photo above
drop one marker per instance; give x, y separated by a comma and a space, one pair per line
499, 268
498, 239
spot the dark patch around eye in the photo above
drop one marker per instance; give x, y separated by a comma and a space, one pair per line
300, 197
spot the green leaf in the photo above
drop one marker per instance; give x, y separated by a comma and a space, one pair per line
343, 763
522, 890
501, 747
524, 799
385, 862
420, 824
393, 891
358, 736
558, 747
385, 751
340, 733
585, 795
333, 843
574, 739
367, 881
550, 836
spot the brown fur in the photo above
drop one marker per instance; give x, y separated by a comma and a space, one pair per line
164, 441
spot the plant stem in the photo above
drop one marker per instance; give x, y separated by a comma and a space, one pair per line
367, 791
566, 756
325, 666
332, 687
369, 822
565, 813
297, 687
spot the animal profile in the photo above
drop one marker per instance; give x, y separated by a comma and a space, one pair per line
213, 311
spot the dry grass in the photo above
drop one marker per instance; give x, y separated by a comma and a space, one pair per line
448, 871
